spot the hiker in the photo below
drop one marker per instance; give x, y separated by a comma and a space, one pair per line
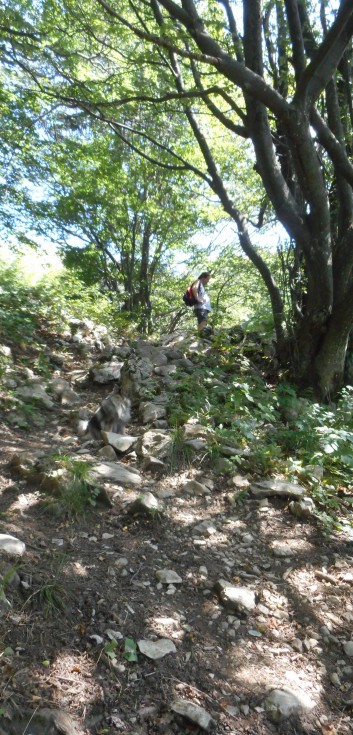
202, 307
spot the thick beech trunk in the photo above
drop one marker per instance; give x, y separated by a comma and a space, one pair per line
319, 345
330, 363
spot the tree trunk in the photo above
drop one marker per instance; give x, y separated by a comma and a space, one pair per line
330, 359
330, 363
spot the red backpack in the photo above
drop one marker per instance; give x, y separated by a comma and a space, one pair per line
189, 298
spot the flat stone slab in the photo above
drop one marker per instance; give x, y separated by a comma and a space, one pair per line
114, 472
120, 442
268, 488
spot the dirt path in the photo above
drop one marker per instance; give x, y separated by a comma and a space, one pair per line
87, 587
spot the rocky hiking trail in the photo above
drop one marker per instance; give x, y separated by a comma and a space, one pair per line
187, 599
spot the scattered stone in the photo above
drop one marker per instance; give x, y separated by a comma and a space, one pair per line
156, 649
97, 639
347, 672
245, 709
35, 392
147, 504
154, 443
168, 576
107, 452
160, 424
69, 397
302, 508
5, 604
58, 385
11, 546
151, 412
348, 648
194, 431
194, 713
153, 464
205, 528
196, 444
240, 481
297, 645
309, 643
224, 466
236, 598
121, 563
335, 680
192, 487
164, 370
286, 702
227, 450
165, 493
5, 351
282, 549
108, 372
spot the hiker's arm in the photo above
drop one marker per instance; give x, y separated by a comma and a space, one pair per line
195, 293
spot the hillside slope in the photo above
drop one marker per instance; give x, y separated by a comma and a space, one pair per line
160, 590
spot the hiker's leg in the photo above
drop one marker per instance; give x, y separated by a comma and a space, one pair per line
201, 316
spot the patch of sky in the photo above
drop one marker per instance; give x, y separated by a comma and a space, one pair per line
208, 246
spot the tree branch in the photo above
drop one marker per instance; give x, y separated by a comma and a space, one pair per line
320, 70
332, 146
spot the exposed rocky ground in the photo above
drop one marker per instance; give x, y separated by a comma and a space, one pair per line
186, 599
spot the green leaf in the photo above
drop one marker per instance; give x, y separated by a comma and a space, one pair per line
347, 459
110, 648
130, 650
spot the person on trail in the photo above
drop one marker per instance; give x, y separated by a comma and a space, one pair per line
202, 307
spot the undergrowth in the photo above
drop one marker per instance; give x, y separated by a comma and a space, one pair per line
274, 431
74, 493
28, 304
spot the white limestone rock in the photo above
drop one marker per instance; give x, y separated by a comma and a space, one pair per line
156, 649
11, 546
194, 713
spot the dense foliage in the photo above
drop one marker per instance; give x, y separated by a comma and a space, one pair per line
123, 121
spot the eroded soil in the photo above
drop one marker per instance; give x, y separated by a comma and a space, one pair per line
86, 580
